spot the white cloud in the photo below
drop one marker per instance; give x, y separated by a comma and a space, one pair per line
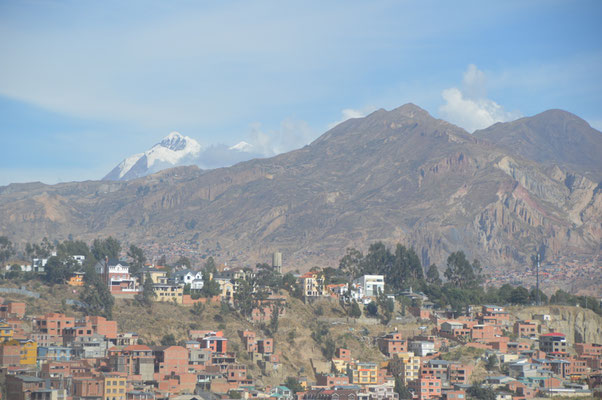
469, 107
349, 113
291, 135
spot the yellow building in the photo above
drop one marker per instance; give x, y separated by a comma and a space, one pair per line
227, 289
115, 387
28, 351
313, 285
410, 369
363, 373
167, 292
77, 279
6, 331
406, 365
339, 365
156, 275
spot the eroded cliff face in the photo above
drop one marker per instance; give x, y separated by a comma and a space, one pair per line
578, 324
397, 176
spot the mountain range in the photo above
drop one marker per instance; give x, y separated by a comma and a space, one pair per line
177, 150
396, 176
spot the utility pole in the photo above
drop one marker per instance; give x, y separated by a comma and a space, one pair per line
537, 282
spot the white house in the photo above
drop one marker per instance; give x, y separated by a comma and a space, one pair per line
371, 285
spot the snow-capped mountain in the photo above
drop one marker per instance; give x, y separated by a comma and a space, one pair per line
176, 150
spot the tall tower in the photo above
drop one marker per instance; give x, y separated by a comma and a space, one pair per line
537, 279
277, 261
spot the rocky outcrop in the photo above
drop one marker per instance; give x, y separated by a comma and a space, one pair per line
580, 325
396, 176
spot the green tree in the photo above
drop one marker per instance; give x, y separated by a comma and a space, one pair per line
519, 295
492, 362
401, 389
372, 309
168, 340
274, 318
293, 384
6, 249
148, 293
243, 298
162, 261
198, 309
137, 260
355, 311
210, 266
183, 261
103, 248
329, 348
96, 295
59, 269
210, 287
461, 273
432, 275
481, 392
351, 262
543, 298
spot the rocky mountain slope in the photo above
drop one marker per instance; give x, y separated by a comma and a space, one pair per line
552, 137
397, 175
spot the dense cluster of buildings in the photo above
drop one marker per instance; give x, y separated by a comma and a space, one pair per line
54, 356
58, 357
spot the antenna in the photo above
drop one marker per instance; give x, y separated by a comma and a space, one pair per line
537, 282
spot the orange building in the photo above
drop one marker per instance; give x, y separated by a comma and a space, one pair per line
392, 343
54, 324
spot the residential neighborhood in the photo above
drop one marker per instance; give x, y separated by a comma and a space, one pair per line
63, 357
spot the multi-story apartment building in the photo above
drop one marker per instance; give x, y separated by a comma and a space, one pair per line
361, 373
553, 342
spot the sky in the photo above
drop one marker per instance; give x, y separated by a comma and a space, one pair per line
85, 84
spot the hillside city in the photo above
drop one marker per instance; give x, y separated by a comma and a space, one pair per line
408, 333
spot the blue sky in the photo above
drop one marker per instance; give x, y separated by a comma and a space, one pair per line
84, 84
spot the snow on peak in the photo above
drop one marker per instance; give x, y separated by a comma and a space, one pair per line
173, 148
242, 146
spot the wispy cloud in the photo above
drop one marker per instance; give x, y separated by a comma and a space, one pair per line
290, 135
349, 113
469, 107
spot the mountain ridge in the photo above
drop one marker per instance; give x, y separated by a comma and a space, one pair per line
397, 176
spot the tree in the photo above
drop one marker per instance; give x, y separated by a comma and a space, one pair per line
162, 261
519, 295
461, 273
198, 309
137, 260
355, 311
401, 389
6, 249
432, 275
103, 248
329, 348
243, 298
210, 287
372, 309
148, 293
210, 266
96, 295
274, 318
543, 298
351, 262
492, 362
481, 393
183, 261
59, 269
168, 340
293, 384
